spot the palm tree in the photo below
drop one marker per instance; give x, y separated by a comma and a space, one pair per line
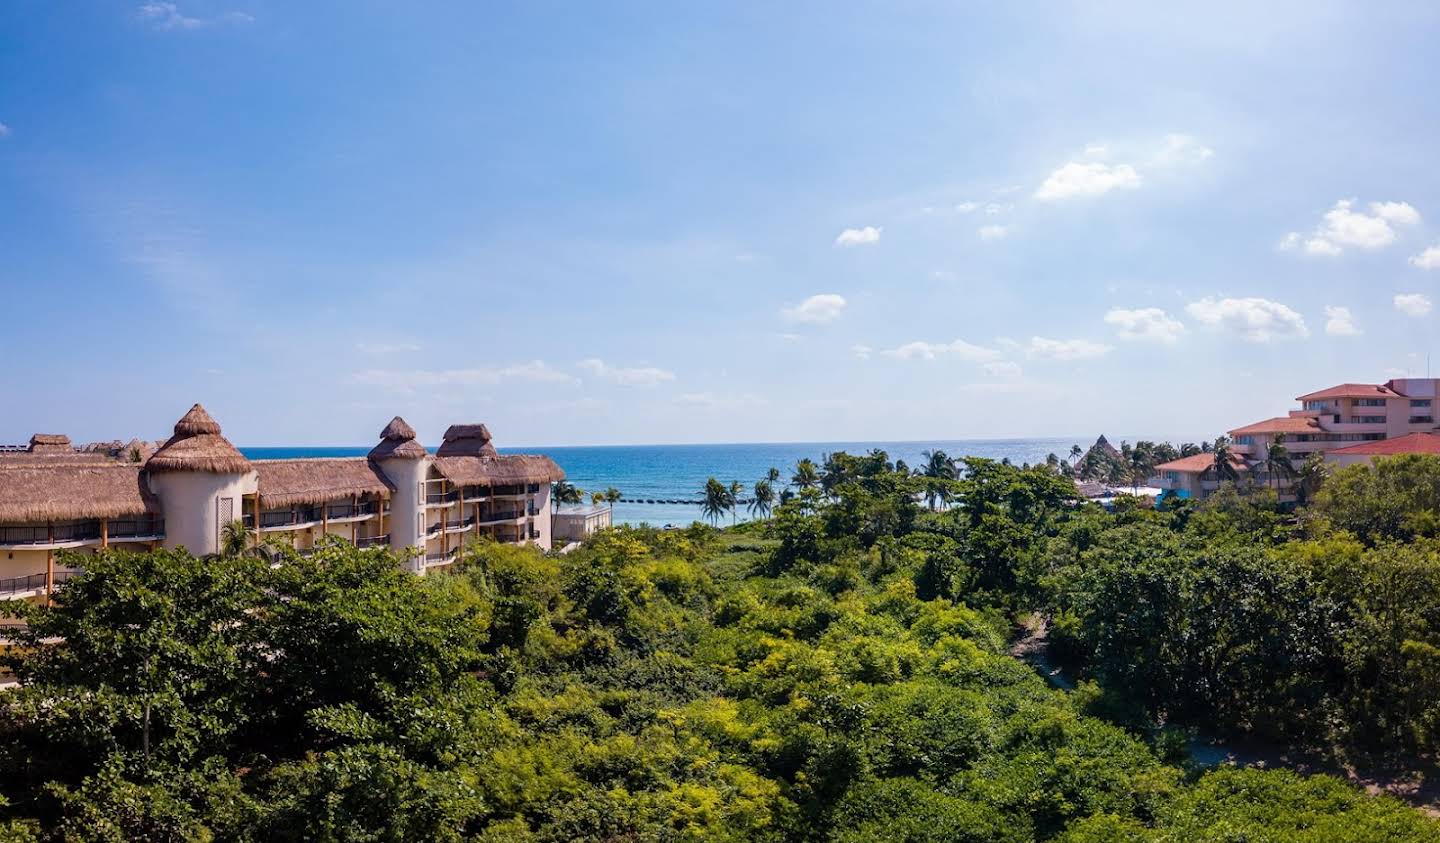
714, 500
938, 471
807, 474
234, 540
1277, 459
612, 495
732, 497
1142, 462
773, 475
1224, 460
562, 492
1075, 453
764, 498
1311, 476
597, 498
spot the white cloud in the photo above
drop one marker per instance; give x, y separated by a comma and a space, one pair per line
992, 232
1147, 324
4, 130
409, 380
1065, 349
920, 350
1182, 150
386, 347
167, 16
1428, 259
866, 236
1343, 226
861, 352
825, 307
1339, 322
1003, 369
967, 207
1250, 319
1094, 178
1412, 304
626, 376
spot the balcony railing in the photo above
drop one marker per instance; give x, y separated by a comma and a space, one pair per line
499, 516
78, 531
457, 525
278, 518
139, 528
441, 558
33, 582
372, 541
441, 498
363, 509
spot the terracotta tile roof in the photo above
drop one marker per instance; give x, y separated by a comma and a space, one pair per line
1352, 390
1196, 463
1410, 443
1280, 424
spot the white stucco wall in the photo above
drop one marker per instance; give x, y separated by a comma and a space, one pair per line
406, 504
191, 500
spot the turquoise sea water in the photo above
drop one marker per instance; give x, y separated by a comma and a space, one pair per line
678, 472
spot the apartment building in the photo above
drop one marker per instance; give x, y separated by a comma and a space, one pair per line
1343, 422
189, 490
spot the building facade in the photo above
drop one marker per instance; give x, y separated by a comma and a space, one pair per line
1342, 422
192, 490
578, 523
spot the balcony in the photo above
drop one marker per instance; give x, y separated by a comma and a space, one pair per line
136, 529
352, 512
43, 536
441, 498
285, 519
459, 525
15, 587
475, 494
373, 541
435, 559
501, 516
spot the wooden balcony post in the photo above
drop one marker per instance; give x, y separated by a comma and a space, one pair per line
104, 533
49, 560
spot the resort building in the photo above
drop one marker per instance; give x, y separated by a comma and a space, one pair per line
189, 491
578, 523
1348, 423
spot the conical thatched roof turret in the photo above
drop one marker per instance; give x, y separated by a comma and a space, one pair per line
198, 446
466, 440
397, 442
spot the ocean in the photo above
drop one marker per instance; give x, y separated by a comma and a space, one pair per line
678, 472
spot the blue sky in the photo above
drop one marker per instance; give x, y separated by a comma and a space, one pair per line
684, 222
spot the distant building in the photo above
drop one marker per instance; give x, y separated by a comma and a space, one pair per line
578, 523
185, 493
1348, 423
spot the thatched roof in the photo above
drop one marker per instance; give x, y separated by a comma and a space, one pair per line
466, 440
60, 491
198, 446
499, 470
50, 443
306, 481
397, 442
398, 430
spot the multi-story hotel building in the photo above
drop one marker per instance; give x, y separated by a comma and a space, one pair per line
189, 490
1343, 422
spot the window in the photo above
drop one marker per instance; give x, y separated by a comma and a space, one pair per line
1316, 405
1421, 420
1370, 402
1366, 420
1420, 403
1244, 440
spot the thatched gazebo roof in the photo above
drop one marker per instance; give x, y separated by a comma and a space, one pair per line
397, 442
50, 443
299, 482
61, 491
466, 440
198, 446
